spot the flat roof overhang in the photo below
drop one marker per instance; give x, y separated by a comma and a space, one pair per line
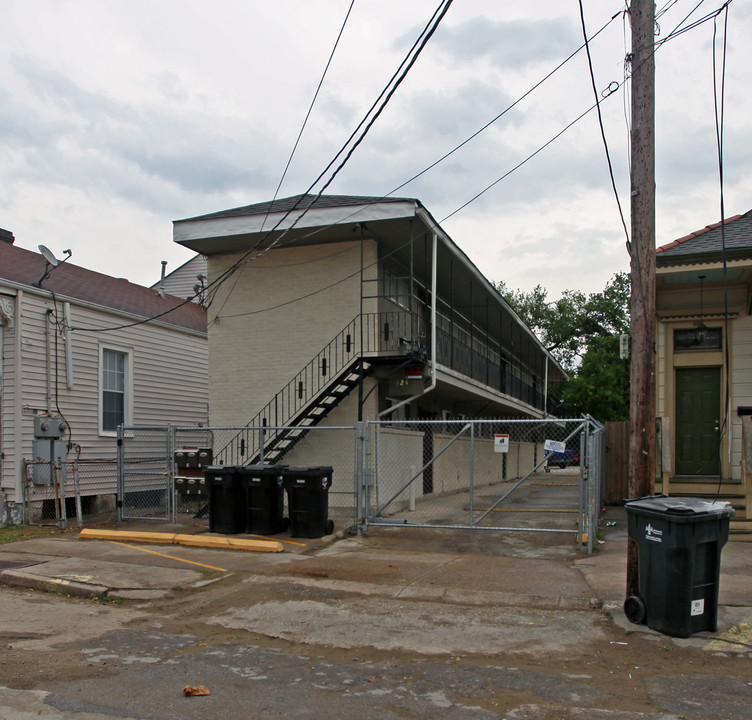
214, 235
396, 226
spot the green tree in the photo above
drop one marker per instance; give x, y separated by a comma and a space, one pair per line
582, 333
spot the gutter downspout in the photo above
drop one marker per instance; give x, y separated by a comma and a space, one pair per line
47, 362
432, 384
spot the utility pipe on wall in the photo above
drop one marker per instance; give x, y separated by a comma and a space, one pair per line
47, 362
68, 347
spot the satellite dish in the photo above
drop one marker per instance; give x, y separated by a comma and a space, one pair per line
48, 256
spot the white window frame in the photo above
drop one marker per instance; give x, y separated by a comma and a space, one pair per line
128, 386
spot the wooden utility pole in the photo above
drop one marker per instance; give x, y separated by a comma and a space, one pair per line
642, 448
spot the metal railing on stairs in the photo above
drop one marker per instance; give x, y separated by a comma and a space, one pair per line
397, 333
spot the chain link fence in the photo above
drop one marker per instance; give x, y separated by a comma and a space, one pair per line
515, 475
69, 493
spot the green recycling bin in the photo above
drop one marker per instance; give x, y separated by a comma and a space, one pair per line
263, 498
679, 543
226, 515
308, 500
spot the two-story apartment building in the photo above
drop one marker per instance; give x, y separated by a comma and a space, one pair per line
347, 308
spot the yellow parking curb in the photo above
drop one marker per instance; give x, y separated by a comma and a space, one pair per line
223, 543
205, 541
128, 535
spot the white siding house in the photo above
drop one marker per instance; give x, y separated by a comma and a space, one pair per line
93, 351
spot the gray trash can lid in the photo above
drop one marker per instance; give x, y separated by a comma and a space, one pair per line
680, 506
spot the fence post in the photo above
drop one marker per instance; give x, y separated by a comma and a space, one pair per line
120, 475
59, 480
172, 505
592, 516
360, 478
472, 469
77, 490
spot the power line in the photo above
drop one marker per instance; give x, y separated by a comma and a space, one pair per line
614, 87
503, 112
600, 121
394, 82
430, 28
310, 108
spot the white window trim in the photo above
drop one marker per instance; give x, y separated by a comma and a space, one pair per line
128, 400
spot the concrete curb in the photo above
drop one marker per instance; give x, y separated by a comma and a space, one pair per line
19, 578
434, 594
204, 541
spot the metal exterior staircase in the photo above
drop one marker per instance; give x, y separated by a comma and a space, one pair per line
279, 441
300, 405
323, 383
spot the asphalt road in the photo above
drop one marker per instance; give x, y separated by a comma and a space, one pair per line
326, 635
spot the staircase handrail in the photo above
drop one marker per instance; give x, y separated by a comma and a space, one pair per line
317, 374
385, 331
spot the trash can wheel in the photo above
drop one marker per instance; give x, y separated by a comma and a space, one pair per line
329, 527
634, 609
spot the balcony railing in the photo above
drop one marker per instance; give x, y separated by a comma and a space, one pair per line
375, 335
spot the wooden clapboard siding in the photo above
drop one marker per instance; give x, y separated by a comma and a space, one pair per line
741, 386
170, 380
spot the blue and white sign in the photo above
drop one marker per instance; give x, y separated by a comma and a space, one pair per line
554, 446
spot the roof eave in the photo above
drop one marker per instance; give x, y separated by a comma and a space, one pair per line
209, 236
704, 258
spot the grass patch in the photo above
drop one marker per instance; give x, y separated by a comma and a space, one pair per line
97, 597
14, 533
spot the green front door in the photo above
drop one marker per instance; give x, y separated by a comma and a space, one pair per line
698, 412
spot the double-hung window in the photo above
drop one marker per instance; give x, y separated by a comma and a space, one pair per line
116, 388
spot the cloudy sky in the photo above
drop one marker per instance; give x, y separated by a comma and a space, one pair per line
117, 118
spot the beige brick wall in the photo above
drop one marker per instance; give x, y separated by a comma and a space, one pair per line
271, 318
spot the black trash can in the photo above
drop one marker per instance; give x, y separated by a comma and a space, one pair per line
263, 498
679, 543
308, 500
226, 514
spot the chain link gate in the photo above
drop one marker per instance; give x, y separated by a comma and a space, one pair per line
514, 475
145, 473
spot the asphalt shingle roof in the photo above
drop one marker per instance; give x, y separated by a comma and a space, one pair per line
708, 241
25, 268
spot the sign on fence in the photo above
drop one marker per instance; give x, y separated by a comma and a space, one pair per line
501, 443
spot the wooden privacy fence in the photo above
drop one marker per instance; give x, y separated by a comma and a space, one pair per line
616, 470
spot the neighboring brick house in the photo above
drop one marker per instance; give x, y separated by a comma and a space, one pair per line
357, 308
704, 363
77, 346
